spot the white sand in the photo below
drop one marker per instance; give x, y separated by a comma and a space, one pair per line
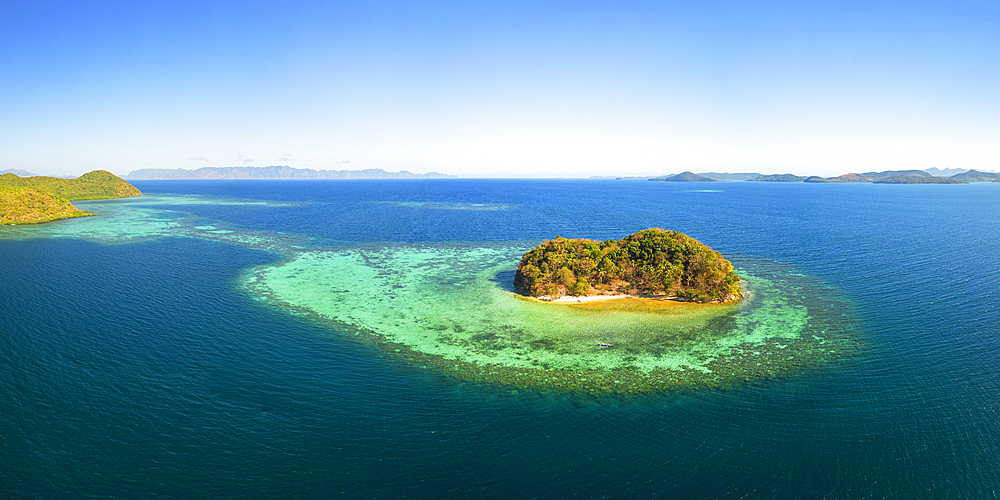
594, 298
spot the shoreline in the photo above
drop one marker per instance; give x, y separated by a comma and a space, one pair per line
572, 299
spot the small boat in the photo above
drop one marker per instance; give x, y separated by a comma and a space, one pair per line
602, 344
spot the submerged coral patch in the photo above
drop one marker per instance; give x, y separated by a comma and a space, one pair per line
157, 216
450, 306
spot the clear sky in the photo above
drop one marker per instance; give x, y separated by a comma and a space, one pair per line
500, 89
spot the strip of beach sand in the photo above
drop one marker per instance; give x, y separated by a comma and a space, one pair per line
569, 299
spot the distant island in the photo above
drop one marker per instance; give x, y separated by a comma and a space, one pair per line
929, 176
842, 178
890, 177
977, 176
919, 179
779, 178
684, 177
17, 172
274, 172
722, 176
31, 200
650, 263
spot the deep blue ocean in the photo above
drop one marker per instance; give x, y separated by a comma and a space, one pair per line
142, 369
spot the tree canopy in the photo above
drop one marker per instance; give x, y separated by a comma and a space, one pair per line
99, 184
29, 200
650, 262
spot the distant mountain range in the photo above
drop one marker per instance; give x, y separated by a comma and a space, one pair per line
274, 172
892, 177
25, 173
946, 172
929, 176
19, 173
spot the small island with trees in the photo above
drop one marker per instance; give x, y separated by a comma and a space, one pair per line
650, 263
31, 200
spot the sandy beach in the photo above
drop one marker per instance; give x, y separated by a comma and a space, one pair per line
569, 299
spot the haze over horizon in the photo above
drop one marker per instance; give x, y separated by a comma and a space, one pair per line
511, 89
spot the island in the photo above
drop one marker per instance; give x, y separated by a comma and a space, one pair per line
977, 176
894, 174
723, 176
842, 178
684, 177
928, 176
779, 178
918, 179
650, 263
32, 200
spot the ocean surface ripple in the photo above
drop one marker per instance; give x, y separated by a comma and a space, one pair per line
134, 363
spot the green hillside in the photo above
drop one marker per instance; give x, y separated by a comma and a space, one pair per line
25, 205
28, 200
96, 185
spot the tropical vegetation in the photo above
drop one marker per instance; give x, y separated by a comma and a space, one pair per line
28, 200
651, 262
96, 185
25, 205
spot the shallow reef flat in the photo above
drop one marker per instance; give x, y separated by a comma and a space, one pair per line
450, 306
135, 219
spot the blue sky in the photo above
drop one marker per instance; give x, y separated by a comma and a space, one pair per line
500, 89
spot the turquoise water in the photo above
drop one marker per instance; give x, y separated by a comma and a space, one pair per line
451, 306
304, 339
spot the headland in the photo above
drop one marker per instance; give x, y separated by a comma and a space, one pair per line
32, 200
